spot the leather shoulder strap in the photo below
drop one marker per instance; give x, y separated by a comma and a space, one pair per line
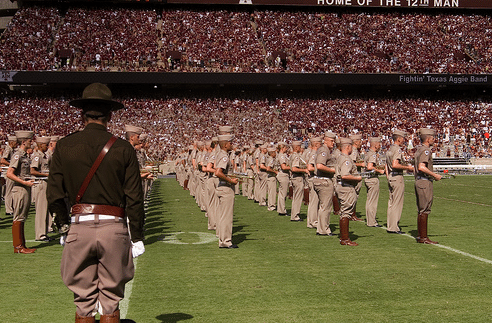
94, 168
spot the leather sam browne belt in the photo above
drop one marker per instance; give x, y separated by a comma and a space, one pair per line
98, 209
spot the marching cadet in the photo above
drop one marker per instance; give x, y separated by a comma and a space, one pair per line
211, 185
19, 172
193, 167
244, 156
272, 169
225, 192
298, 170
132, 135
394, 172
323, 183
357, 159
306, 154
312, 210
250, 166
372, 161
336, 153
236, 156
283, 178
348, 178
5, 161
40, 168
262, 175
256, 159
424, 176
207, 152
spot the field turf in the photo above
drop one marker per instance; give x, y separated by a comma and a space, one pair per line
282, 271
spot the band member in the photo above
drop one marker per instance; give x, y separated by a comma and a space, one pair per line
272, 169
394, 172
357, 159
348, 178
40, 169
283, 178
424, 176
5, 161
312, 211
372, 162
262, 175
299, 168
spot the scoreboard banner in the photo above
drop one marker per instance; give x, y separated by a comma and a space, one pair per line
462, 4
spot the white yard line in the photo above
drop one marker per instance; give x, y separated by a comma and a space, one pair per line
128, 293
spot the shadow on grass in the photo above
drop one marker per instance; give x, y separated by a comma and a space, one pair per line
174, 317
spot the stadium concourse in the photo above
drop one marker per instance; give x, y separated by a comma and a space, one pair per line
175, 120
196, 39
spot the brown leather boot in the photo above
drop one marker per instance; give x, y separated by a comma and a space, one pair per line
84, 319
354, 217
422, 228
18, 238
344, 233
111, 318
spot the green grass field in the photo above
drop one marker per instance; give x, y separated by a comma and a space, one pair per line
282, 271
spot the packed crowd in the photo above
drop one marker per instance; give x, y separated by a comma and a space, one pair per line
294, 40
177, 120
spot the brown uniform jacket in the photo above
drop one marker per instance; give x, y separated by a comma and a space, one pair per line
116, 182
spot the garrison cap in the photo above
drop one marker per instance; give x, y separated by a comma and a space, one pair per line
215, 139
296, 143
24, 134
54, 138
329, 134
227, 129
271, 149
133, 129
259, 142
11, 138
374, 139
225, 137
346, 141
400, 133
97, 97
427, 131
355, 136
43, 140
246, 147
316, 139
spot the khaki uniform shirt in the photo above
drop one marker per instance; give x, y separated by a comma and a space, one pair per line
423, 155
7, 153
394, 152
345, 166
40, 162
324, 157
22, 165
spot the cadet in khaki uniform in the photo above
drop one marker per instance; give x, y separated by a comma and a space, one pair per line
250, 165
312, 210
262, 175
357, 159
211, 185
424, 176
298, 169
372, 183
272, 169
396, 184
256, 159
244, 170
283, 178
5, 161
225, 192
348, 178
40, 168
19, 172
323, 183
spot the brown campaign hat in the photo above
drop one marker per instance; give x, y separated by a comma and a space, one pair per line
427, 131
24, 134
133, 129
43, 140
329, 134
98, 97
400, 133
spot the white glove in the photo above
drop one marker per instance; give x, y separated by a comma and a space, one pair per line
137, 248
63, 238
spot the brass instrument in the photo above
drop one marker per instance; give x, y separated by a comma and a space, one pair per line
368, 174
302, 164
240, 176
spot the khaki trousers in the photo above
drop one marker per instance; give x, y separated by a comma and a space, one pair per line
298, 194
96, 264
9, 185
251, 184
372, 186
256, 186
396, 187
347, 196
244, 187
262, 188
283, 190
225, 210
272, 191
211, 185
324, 191
20, 199
312, 211
42, 216
424, 191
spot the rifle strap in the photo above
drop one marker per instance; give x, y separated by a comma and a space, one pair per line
94, 168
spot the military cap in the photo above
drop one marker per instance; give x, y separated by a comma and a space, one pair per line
226, 128
225, 137
24, 134
374, 139
11, 138
259, 142
427, 131
296, 143
246, 147
329, 134
133, 129
400, 133
43, 140
54, 138
316, 139
97, 97
215, 139
271, 149
282, 143
346, 141
355, 136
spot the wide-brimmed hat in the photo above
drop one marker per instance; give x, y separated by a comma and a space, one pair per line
97, 96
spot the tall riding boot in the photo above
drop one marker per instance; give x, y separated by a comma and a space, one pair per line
355, 217
17, 238
422, 228
344, 233
84, 319
23, 238
111, 318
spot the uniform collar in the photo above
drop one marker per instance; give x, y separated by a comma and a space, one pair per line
95, 126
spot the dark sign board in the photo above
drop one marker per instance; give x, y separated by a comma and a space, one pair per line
470, 4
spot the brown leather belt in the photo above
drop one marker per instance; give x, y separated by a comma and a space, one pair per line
98, 209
